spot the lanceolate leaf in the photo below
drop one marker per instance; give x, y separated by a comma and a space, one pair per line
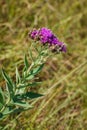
37, 69
6, 77
1, 116
29, 77
26, 62
10, 90
7, 111
1, 105
9, 82
29, 84
27, 95
2, 98
31, 55
31, 95
22, 104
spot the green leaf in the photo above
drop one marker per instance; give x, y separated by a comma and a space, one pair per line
34, 72
31, 95
18, 79
6, 77
30, 54
1, 115
28, 85
10, 84
23, 86
14, 110
10, 90
26, 62
37, 69
20, 109
1, 105
7, 111
2, 98
29, 77
28, 95
22, 104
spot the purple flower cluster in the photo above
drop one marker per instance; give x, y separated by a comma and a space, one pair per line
45, 35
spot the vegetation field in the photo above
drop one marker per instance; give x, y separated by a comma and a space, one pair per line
64, 77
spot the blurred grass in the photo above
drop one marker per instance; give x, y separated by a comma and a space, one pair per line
64, 107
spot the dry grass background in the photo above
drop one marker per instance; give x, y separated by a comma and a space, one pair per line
64, 77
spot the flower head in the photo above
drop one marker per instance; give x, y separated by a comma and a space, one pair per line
33, 34
45, 36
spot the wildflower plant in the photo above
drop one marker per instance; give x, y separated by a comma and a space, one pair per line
16, 95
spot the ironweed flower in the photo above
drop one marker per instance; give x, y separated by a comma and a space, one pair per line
33, 34
16, 90
46, 36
